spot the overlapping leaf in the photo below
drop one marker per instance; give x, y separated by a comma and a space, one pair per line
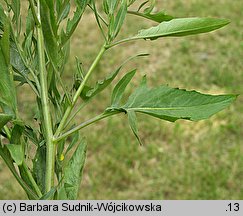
73, 171
171, 104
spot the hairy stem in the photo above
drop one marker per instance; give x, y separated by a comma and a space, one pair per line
78, 92
50, 152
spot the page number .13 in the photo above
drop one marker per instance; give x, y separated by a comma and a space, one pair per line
233, 207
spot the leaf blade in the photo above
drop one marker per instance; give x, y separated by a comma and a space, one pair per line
132, 119
16, 152
7, 88
73, 171
181, 27
4, 119
172, 104
120, 88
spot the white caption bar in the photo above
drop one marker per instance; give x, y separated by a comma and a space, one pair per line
113, 207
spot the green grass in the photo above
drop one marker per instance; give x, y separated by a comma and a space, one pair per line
185, 160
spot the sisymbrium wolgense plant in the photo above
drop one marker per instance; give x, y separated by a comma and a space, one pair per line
35, 37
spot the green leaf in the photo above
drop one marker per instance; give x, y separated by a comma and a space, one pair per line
110, 6
149, 14
4, 153
49, 194
73, 171
73, 23
171, 104
63, 11
30, 22
120, 88
4, 119
39, 167
88, 92
16, 61
119, 19
182, 27
16, 134
16, 152
50, 38
75, 138
31, 134
15, 6
133, 124
61, 194
157, 17
7, 88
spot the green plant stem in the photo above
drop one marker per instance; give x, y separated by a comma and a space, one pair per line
102, 19
75, 113
32, 180
121, 41
7, 131
85, 124
50, 148
78, 92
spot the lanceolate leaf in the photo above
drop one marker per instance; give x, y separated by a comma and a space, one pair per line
39, 166
133, 124
50, 37
120, 88
7, 88
119, 19
15, 5
4, 119
182, 27
73, 171
171, 104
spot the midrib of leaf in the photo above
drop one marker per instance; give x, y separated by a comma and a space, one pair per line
171, 33
175, 108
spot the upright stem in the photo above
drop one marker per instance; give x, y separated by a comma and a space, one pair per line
78, 92
50, 150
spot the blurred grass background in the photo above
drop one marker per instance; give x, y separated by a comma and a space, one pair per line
182, 160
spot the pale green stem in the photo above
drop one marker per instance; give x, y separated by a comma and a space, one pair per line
102, 19
122, 41
78, 92
50, 148
85, 124
75, 113
7, 131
